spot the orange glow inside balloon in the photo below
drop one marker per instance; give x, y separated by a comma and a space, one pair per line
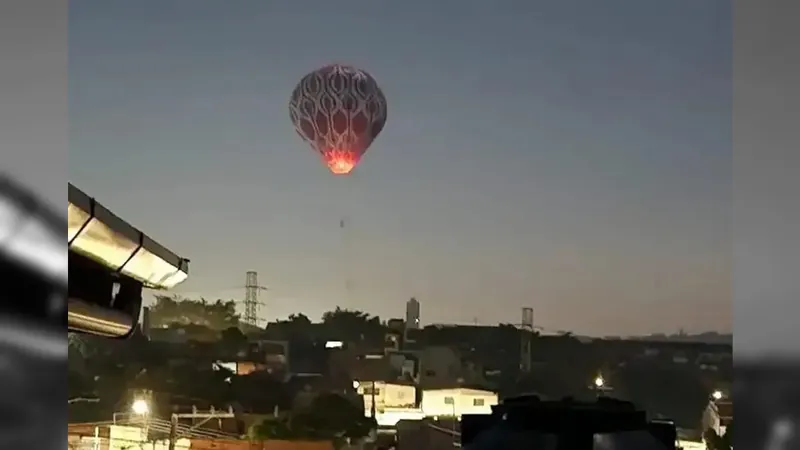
340, 162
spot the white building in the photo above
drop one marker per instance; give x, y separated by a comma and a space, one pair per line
386, 395
718, 415
457, 402
393, 401
118, 437
389, 417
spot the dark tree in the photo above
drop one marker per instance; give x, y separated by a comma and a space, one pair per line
232, 342
299, 320
328, 417
218, 315
352, 325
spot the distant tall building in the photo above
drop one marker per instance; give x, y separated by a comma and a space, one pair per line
412, 314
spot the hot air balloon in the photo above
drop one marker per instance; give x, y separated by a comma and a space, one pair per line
339, 111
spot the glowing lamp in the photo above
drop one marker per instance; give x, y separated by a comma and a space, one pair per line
599, 382
140, 407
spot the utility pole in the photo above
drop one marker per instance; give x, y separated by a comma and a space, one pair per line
173, 431
372, 401
211, 414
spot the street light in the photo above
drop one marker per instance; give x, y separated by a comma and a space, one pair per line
600, 386
717, 395
140, 407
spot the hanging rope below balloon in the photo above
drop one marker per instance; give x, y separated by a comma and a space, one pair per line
347, 236
349, 281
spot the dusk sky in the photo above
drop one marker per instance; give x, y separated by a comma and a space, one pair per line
571, 156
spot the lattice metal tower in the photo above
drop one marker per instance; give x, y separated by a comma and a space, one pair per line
526, 335
251, 299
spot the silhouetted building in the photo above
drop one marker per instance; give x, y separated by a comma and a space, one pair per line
412, 314
441, 366
273, 354
396, 324
393, 341
405, 363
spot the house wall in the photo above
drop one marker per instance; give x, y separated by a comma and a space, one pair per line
387, 395
457, 402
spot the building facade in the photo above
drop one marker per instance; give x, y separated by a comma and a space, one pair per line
441, 366
457, 402
718, 415
412, 314
386, 395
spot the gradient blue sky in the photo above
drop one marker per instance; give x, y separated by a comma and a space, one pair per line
572, 156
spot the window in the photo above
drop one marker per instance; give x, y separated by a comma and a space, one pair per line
477, 402
449, 401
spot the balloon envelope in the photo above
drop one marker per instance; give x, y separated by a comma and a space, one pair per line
339, 111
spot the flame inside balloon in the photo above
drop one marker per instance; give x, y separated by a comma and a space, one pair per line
339, 111
340, 162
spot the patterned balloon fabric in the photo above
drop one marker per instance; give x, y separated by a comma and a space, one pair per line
339, 110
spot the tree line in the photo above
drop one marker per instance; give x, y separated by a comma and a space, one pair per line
563, 365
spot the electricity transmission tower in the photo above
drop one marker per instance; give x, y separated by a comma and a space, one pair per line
251, 303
